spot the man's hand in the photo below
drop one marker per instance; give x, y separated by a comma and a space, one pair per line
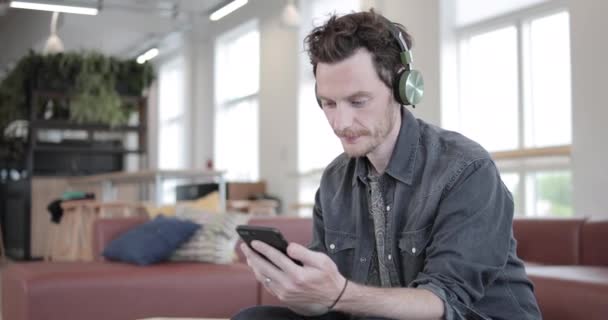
309, 289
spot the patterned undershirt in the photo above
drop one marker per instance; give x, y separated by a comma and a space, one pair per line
379, 270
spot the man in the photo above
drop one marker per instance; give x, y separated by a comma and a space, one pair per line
411, 222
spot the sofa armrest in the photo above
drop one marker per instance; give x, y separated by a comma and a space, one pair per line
106, 229
594, 242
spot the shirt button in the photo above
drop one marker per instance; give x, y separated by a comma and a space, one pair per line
413, 250
362, 259
390, 257
332, 246
388, 208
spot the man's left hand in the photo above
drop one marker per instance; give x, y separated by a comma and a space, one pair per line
309, 289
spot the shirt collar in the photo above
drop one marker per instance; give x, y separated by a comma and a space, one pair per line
401, 164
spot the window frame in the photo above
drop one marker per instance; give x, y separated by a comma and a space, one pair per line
225, 104
523, 161
308, 175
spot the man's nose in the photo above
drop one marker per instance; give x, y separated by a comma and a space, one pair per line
343, 117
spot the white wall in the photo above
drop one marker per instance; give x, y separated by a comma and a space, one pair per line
278, 107
590, 110
203, 109
421, 19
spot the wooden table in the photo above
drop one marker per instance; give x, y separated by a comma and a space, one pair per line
108, 181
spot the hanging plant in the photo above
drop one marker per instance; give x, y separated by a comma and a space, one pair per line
94, 81
97, 99
97, 102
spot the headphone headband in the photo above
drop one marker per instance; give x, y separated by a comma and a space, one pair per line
405, 55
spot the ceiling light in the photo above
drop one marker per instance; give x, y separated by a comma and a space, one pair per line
148, 55
290, 15
54, 43
227, 9
45, 6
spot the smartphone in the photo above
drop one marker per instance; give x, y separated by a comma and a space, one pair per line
268, 235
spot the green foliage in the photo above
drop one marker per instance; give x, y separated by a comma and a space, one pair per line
556, 189
94, 81
97, 102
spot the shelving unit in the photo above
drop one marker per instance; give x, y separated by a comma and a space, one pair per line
35, 125
57, 161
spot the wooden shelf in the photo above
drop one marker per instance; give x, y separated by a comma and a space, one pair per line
68, 125
96, 150
145, 175
63, 95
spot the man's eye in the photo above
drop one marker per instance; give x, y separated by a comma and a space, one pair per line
358, 103
329, 104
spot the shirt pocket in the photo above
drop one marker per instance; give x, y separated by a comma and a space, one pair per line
412, 246
341, 249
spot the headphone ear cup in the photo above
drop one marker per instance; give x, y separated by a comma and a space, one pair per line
411, 87
398, 90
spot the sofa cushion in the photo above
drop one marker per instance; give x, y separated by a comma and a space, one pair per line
107, 290
548, 240
108, 229
570, 292
150, 242
215, 241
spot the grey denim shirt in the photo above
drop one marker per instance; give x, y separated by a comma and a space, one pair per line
451, 227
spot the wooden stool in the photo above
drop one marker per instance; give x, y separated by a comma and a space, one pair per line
71, 240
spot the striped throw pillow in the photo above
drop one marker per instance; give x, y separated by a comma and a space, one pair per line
215, 241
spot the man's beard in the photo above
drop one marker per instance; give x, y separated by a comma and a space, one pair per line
374, 139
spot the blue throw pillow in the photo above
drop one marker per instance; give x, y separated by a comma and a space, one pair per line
150, 242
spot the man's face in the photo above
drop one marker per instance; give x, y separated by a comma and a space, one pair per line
359, 107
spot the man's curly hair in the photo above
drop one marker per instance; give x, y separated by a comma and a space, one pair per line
341, 37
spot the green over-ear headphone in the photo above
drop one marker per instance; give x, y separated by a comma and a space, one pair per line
408, 84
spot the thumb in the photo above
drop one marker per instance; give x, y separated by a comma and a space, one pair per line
304, 255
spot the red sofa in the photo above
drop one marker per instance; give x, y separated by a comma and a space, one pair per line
566, 259
115, 291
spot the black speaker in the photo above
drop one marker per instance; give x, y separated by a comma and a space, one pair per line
195, 191
15, 218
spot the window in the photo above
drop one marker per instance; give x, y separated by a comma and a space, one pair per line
550, 193
488, 102
547, 75
514, 98
237, 82
172, 121
317, 144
